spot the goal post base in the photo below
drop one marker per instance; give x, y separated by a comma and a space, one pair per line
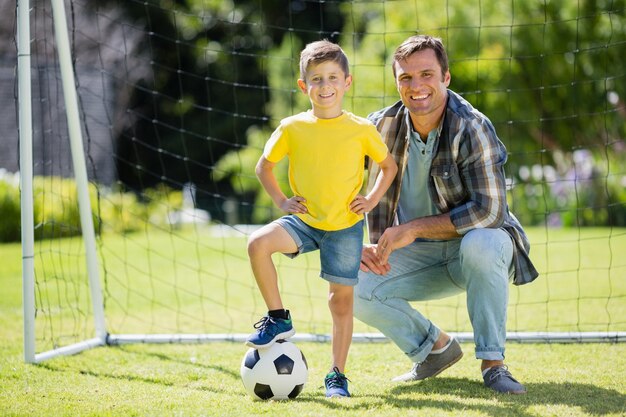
68, 350
463, 337
522, 337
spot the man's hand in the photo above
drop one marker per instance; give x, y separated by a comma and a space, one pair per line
370, 261
294, 204
393, 238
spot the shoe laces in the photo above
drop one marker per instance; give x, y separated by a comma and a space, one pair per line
416, 367
264, 324
498, 371
338, 380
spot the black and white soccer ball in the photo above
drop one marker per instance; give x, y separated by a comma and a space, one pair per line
277, 373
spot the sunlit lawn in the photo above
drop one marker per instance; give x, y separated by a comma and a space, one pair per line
214, 291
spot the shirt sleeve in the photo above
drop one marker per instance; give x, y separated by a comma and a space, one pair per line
277, 145
481, 172
375, 146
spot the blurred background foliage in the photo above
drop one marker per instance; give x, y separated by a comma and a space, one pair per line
207, 81
550, 76
56, 212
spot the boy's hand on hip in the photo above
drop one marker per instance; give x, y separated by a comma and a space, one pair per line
295, 204
362, 205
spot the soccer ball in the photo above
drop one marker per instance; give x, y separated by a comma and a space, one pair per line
278, 372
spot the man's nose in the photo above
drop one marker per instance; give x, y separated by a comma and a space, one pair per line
415, 83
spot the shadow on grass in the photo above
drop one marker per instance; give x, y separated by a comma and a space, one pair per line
590, 398
463, 393
183, 361
116, 370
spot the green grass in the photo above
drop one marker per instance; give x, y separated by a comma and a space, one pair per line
579, 269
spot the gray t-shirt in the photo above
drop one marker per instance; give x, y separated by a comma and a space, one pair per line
415, 199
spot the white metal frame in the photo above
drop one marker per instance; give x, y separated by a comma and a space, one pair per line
522, 337
26, 181
26, 177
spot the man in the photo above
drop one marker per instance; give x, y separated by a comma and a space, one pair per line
443, 226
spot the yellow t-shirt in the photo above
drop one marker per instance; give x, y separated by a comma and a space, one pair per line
326, 163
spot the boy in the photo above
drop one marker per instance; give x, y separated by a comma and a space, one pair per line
326, 147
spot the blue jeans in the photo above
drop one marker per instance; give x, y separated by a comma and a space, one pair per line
340, 250
479, 263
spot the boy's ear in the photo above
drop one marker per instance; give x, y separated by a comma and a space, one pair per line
302, 85
348, 81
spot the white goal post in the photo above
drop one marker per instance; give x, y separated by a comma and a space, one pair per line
26, 181
91, 254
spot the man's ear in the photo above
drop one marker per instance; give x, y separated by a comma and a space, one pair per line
447, 78
302, 85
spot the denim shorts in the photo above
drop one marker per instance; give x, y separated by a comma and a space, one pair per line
340, 250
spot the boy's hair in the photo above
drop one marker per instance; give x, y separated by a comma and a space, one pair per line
321, 51
419, 43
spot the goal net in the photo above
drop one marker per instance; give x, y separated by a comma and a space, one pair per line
141, 123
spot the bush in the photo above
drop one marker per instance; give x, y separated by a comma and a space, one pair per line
10, 221
56, 212
587, 190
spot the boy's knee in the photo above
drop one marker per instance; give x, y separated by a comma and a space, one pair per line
256, 243
341, 303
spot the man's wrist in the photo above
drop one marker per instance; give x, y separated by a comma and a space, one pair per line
413, 228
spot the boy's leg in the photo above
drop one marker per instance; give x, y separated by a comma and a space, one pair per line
340, 301
262, 243
340, 257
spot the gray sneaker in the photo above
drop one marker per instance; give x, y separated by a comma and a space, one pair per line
500, 379
434, 364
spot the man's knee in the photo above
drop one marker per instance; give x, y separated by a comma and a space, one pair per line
479, 246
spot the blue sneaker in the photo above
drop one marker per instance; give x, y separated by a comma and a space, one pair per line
336, 384
269, 330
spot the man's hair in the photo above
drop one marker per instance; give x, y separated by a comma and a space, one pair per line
420, 43
321, 51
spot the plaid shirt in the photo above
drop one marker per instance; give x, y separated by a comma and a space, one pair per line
467, 176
